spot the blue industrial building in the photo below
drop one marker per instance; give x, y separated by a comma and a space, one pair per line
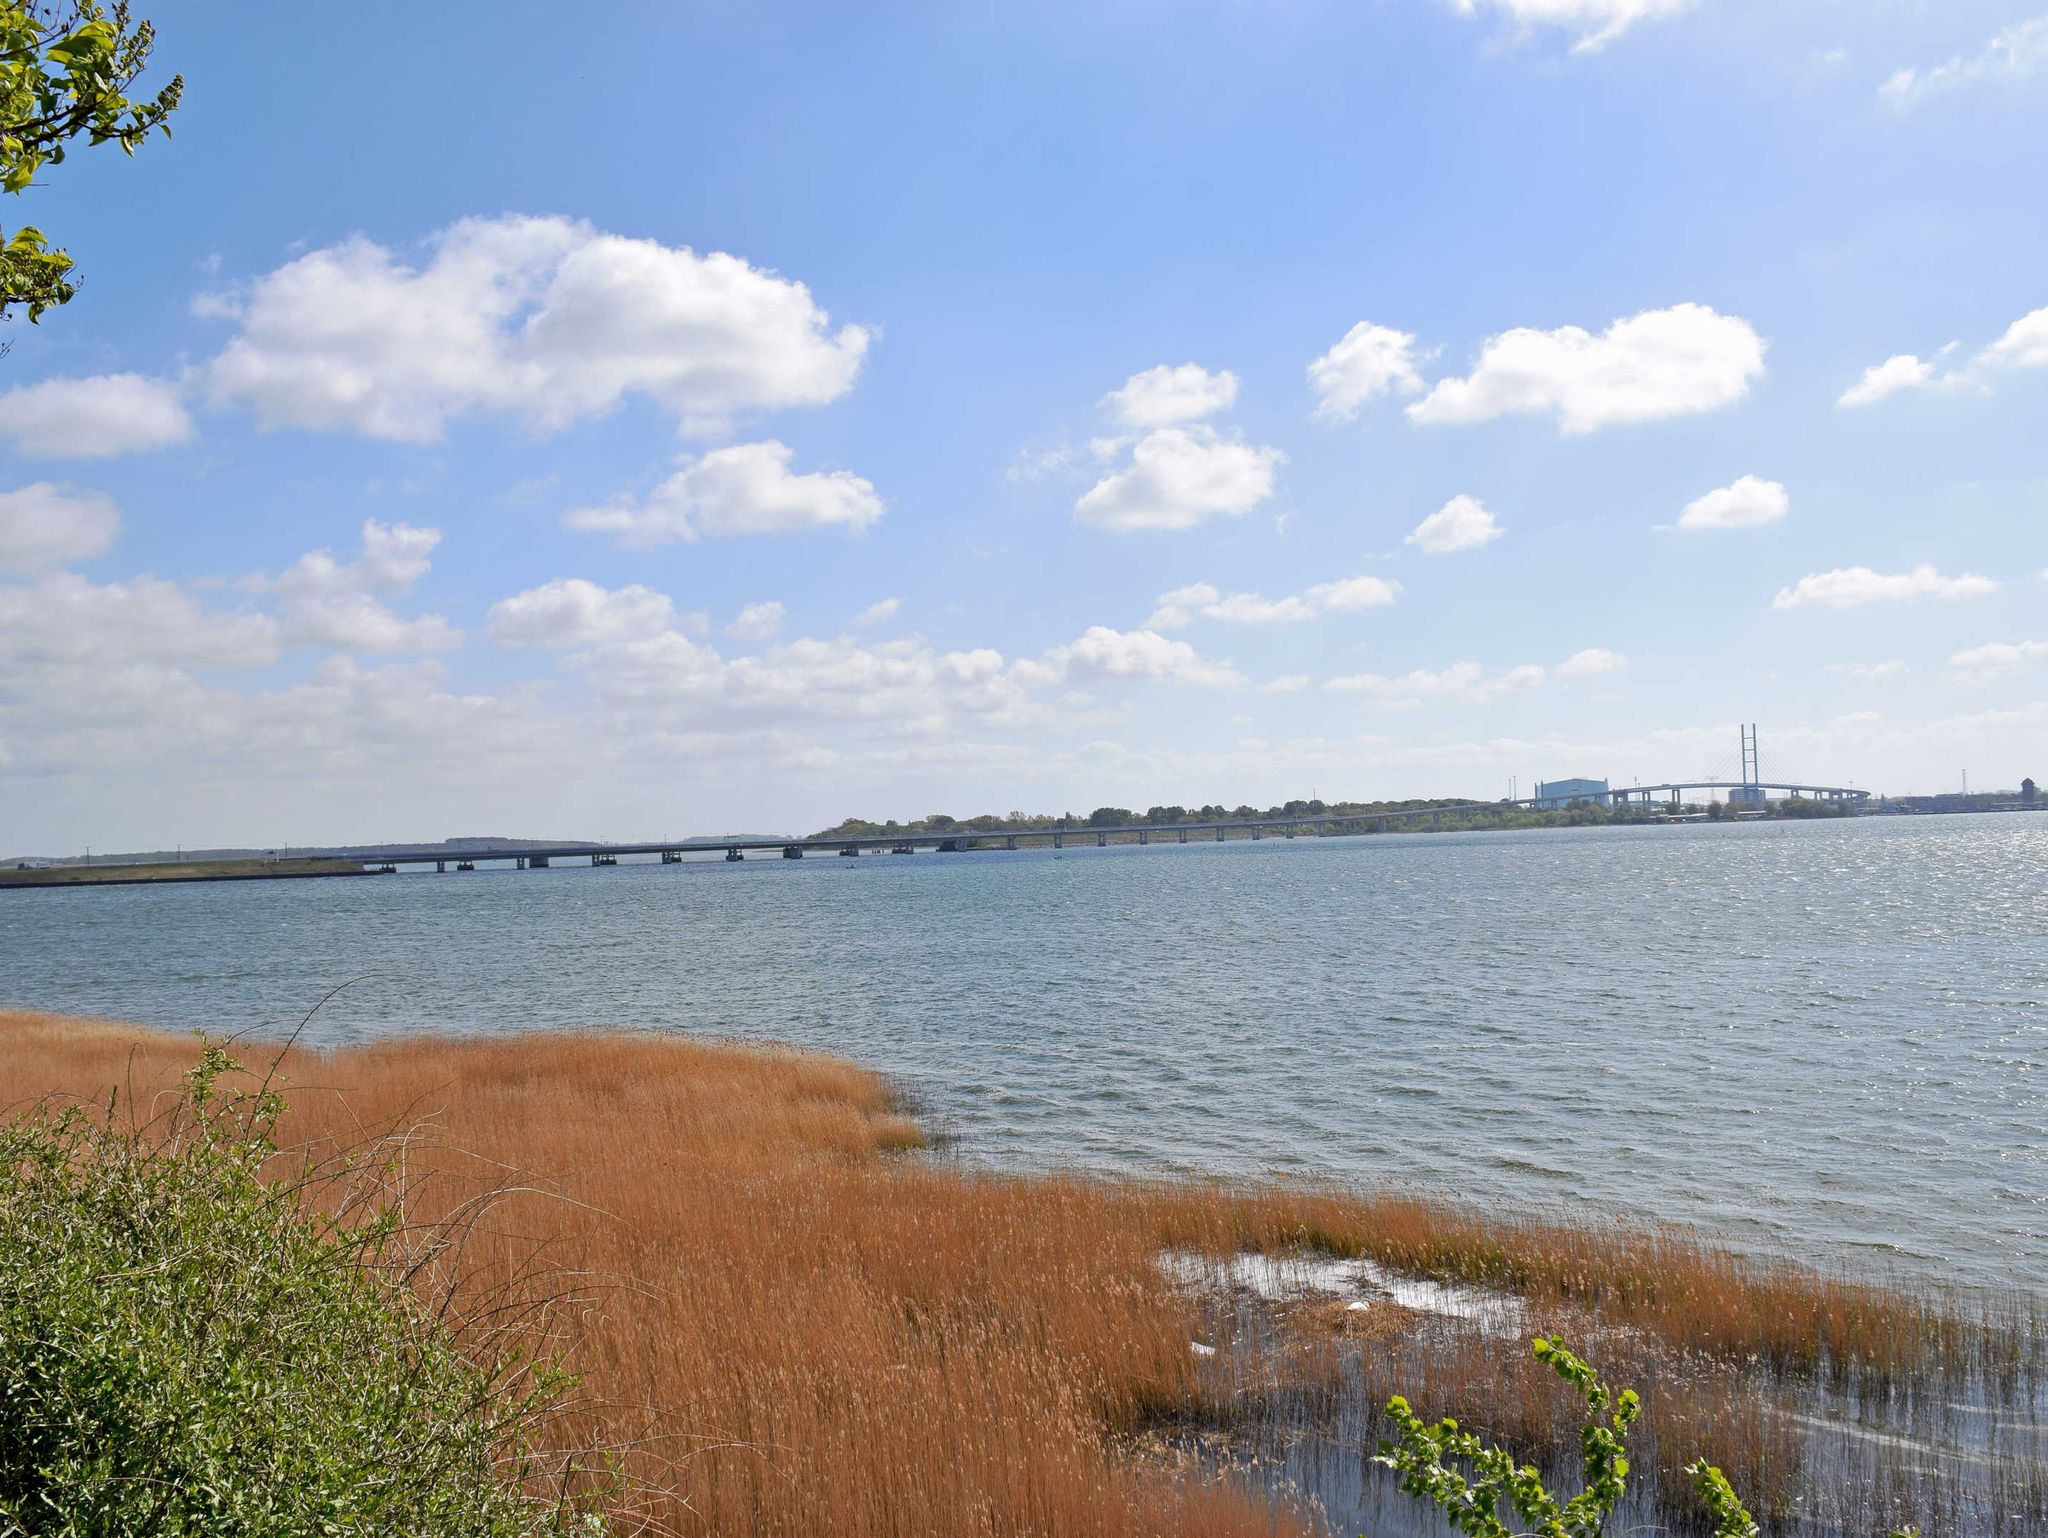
1556, 793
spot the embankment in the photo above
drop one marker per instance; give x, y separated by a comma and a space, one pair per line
180, 870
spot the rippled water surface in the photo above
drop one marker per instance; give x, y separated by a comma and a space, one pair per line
1829, 1039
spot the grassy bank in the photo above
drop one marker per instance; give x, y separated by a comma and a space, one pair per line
788, 1327
177, 870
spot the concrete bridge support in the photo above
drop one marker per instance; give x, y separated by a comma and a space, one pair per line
1144, 836
440, 867
537, 861
1010, 842
792, 852
1257, 834
1183, 835
671, 857
1102, 841
1059, 841
1219, 835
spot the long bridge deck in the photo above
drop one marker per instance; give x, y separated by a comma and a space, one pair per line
1060, 837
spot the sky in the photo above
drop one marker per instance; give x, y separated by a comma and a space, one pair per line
721, 416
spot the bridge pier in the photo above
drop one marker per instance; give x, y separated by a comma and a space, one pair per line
1257, 833
603, 859
1010, 842
792, 852
902, 849
537, 861
1436, 821
462, 865
850, 852
1059, 841
1144, 836
734, 856
440, 867
1102, 841
1183, 835
671, 857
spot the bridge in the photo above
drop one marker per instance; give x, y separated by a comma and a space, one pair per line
1061, 837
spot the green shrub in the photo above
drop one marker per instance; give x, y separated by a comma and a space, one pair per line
186, 1349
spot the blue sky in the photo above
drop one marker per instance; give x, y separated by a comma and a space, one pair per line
745, 416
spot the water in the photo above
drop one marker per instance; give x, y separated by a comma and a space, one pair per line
1825, 1039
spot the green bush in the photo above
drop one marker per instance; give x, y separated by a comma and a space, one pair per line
185, 1348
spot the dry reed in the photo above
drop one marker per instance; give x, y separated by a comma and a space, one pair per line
793, 1332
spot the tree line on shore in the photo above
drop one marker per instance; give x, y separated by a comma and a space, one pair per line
1353, 816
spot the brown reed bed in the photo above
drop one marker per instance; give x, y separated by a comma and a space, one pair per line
789, 1328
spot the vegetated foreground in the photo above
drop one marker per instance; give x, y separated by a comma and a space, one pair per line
790, 1328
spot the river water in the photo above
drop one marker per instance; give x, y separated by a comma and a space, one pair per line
1822, 1039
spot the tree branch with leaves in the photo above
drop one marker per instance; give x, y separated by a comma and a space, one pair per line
65, 74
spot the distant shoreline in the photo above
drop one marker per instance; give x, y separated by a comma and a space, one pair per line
195, 870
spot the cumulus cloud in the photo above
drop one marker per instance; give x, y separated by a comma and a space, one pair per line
1597, 22
1177, 478
1591, 662
330, 602
573, 612
1661, 363
1850, 586
1180, 607
747, 488
46, 525
104, 628
1367, 363
1468, 682
1171, 394
1984, 662
2024, 344
879, 611
757, 622
2015, 54
1463, 523
94, 417
1747, 503
546, 320
1901, 371
1887, 669
1103, 653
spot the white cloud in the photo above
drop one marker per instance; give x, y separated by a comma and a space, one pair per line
1367, 363
1591, 662
1180, 607
2015, 54
45, 525
1660, 363
1103, 653
544, 319
104, 628
746, 488
328, 602
875, 613
94, 417
1171, 394
1179, 476
1597, 22
1288, 683
572, 612
1468, 682
1902, 371
1983, 662
758, 622
1462, 523
1888, 669
1853, 585
2024, 344
1750, 501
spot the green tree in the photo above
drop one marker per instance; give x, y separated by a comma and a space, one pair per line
65, 72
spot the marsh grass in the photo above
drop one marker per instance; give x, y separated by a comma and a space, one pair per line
787, 1326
